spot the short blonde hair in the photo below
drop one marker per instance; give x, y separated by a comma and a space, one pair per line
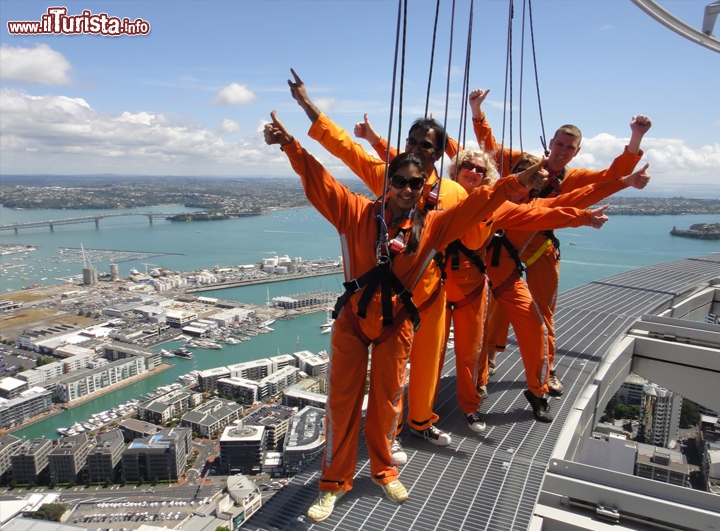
467, 154
571, 130
526, 159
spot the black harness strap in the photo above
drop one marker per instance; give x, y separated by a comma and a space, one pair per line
550, 235
552, 187
497, 243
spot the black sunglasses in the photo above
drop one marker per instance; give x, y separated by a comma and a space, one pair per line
424, 144
469, 166
400, 182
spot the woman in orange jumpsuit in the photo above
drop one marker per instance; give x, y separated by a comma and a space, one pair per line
383, 319
427, 139
534, 246
465, 285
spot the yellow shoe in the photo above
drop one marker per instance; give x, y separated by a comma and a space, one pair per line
324, 505
395, 491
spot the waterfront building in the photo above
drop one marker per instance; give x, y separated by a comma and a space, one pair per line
69, 351
631, 391
44, 372
275, 420
12, 387
239, 388
301, 301
168, 406
163, 455
231, 316
659, 415
242, 448
91, 381
305, 393
115, 351
68, 458
135, 429
9, 444
275, 383
305, 439
282, 360
207, 379
179, 318
104, 459
251, 370
30, 460
311, 364
39, 339
31, 403
211, 417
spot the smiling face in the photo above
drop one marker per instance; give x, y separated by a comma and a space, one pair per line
473, 173
401, 200
563, 148
422, 143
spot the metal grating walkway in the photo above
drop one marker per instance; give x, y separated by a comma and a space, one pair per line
491, 481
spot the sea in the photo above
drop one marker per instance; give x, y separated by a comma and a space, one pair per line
624, 243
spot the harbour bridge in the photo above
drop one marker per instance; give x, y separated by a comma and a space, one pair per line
52, 223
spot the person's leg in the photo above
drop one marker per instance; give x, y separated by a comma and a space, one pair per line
424, 356
347, 374
496, 334
542, 280
468, 328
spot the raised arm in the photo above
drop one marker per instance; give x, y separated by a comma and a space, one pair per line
333, 200
504, 158
338, 142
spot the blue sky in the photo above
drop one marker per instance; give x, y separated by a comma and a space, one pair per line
190, 97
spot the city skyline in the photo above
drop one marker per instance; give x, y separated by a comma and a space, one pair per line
191, 96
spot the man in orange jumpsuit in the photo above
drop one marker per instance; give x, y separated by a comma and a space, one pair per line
426, 139
536, 247
359, 323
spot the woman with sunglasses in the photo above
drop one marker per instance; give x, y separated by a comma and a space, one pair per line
465, 286
414, 234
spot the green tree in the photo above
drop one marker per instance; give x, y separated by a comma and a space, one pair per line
71, 484
108, 482
43, 360
140, 482
222, 528
689, 414
12, 484
609, 412
50, 511
621, 411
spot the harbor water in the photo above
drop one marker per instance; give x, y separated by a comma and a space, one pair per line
626, 242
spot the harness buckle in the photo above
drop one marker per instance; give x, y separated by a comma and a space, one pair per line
357, 285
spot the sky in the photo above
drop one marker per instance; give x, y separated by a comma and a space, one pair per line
190, 97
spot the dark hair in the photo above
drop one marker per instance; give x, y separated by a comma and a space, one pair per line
426, 125
418, 218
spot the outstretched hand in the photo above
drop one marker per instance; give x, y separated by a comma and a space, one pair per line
534, 176
639, 179
475, 100
275, 132
297, 88
598, 217
640, 124
365, 131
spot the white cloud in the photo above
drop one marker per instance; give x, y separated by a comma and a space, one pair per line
605, 27
234, 94
57, 134
325, 104
229, 126
41, 64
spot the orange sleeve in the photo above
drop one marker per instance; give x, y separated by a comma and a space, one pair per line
621, 166
529, 216
504, 158
584, 197
467, 214
333, 200
338, 142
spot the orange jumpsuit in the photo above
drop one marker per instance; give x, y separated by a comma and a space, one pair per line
543, 269
429, 295
354, 218
466, 296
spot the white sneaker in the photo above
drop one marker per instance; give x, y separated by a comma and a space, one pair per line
475, 421
324, 505
395, 491
397, 453
433, 435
